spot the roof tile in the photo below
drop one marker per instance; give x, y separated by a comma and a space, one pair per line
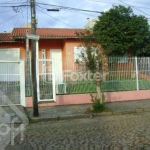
47, 32
6, 37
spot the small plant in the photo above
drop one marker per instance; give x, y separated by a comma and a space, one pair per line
97, 105
58, 118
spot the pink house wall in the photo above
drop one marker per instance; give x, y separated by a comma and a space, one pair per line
86, 99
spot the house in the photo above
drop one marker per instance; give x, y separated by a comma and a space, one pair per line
53, 43
60, 45
90, 23
58, 75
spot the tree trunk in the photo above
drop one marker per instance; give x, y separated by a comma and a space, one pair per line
98, 82
99, 93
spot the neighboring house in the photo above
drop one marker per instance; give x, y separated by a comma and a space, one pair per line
90, 24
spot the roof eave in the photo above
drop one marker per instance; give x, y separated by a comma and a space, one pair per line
48, 37
64, 37
8, 41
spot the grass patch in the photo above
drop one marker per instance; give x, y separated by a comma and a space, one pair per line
90, 87
107, 86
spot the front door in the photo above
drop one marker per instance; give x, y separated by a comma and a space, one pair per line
56, 57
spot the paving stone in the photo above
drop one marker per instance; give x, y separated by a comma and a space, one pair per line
125, 148
116, 148
116, 113
115, 132
139, 110
147, 109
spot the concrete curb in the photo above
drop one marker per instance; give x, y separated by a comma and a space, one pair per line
39, 119
90, 115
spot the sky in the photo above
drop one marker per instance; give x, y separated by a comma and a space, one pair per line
16, 13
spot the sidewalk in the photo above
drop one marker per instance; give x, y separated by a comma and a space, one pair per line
79, 111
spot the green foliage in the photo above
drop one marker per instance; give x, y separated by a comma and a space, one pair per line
97, 105
119, 30
90, 55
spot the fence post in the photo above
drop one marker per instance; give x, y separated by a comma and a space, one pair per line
137, 78
37, 71
22, 84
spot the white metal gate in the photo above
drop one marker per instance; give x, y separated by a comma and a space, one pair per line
12, 82
45, 80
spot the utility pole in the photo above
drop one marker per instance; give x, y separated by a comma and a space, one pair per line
33, 61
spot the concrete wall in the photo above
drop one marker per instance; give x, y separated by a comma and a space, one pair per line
85, 98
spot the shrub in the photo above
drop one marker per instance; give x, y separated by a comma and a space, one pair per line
98, 106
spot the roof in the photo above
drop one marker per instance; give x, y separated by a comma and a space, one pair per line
47, 32
6, 37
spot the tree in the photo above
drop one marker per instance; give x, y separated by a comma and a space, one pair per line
93, 58
119, 31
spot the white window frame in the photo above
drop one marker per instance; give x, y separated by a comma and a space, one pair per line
44, 63
29, 64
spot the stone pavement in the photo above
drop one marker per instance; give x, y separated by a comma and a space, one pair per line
114, 132
125, 128
78, 111
12, 111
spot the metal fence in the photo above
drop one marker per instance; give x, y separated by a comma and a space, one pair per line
45, 80
12, 82
128, 73
123, 74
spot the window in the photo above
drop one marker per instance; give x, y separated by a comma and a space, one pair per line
43, 55
11, 69
77, 53
10, 54
79, 50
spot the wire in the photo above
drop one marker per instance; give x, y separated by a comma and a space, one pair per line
99, 1
5, 11
17, 19
124, 3
71, 11
134, 8
10, 18
56, 19
15, 6
68, 8
139, 3
27, 12
8, 2
12, 1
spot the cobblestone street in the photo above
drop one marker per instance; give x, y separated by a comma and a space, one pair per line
117, 132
